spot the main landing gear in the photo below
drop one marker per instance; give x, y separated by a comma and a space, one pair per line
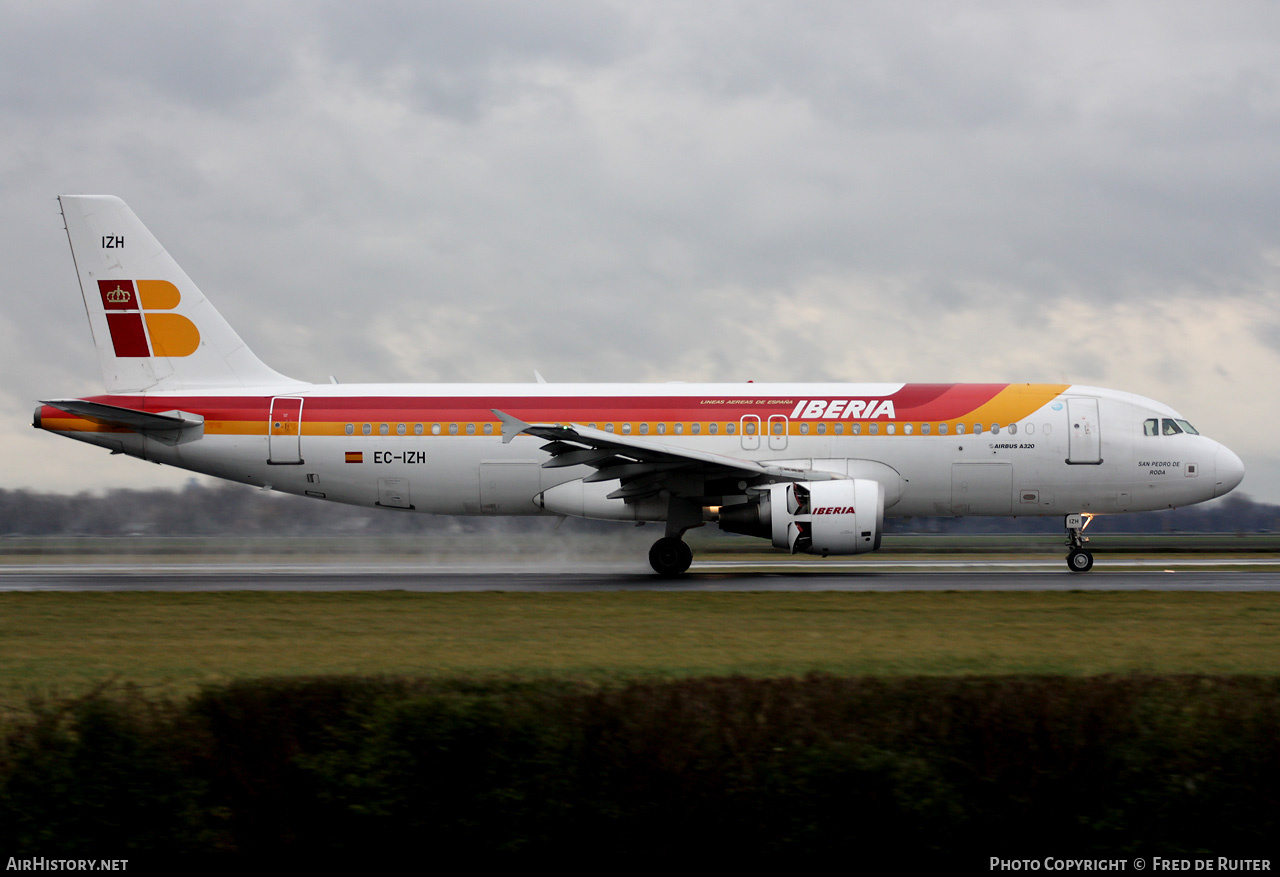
670, 556
1078, 558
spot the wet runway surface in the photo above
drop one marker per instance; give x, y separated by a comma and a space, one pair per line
1167, 575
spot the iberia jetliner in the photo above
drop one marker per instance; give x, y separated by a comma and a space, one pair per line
814, 468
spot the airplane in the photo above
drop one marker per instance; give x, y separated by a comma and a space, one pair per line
813, 468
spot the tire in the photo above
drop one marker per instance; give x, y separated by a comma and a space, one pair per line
1079, 561
670, 556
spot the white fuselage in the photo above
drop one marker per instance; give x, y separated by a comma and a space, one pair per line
1041, 449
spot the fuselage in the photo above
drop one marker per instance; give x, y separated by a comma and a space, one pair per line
940, 449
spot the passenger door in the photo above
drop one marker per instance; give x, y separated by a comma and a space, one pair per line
284, 431
1084, 435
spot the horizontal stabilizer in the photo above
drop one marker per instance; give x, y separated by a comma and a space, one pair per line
169, 427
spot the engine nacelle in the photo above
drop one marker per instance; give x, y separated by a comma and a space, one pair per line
579, 500
816, 517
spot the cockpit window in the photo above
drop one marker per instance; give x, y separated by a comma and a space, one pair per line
1171, 427
1151, 427
1186, 427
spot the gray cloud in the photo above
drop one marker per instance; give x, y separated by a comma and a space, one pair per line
467, 191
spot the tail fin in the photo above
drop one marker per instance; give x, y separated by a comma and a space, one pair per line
153, 328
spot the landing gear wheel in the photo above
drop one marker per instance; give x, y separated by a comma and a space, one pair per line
1078, 557
1079, 561
670, 556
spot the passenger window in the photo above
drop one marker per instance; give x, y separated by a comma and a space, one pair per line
417, 429
995, 429
471, 429
977, 429
822, 428
488, 429
711, 429
839, 429
942, 429
662, 429
749, 428
1029, 428
644, 429
1171, 428
679, 427
959, 429
351, 429
1151, 427
874, 429
453, 429
924, 429
626, 429
804, 428
695, 428
1013, 429
856, 428
890, 429
435, 429
729, 429
608, 427
401, 429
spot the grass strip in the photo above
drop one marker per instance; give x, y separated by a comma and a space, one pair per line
172, 643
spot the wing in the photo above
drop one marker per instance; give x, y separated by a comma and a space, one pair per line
644, 467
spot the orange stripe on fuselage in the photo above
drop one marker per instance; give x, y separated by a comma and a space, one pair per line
1014, 403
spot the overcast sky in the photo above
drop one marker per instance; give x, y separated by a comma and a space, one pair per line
651, 191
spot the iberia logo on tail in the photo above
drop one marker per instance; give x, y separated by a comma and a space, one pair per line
137, 315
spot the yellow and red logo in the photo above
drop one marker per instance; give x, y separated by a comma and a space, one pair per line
136, 327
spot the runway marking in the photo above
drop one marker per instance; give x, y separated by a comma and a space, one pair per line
480, 567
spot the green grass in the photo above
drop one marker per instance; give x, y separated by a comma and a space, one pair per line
171, 643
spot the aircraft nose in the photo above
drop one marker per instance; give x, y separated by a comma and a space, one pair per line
1229, 471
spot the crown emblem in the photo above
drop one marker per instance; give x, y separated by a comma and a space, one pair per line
119, 295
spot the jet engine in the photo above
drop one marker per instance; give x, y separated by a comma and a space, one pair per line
816, 517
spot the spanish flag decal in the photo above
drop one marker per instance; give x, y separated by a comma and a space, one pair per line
355, 456
136, 329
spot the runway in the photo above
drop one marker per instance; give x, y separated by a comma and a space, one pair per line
705, 576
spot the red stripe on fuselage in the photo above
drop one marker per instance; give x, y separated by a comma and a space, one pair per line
912, 402
942, 401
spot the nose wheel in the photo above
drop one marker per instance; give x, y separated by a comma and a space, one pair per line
1079, 559
670, 556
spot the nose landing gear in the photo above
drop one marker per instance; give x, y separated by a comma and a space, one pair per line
1078, 558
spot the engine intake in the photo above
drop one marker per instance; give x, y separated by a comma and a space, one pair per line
815, 517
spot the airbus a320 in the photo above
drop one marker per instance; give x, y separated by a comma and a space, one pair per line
813, 468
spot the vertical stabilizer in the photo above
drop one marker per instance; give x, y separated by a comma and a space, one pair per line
153, 328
